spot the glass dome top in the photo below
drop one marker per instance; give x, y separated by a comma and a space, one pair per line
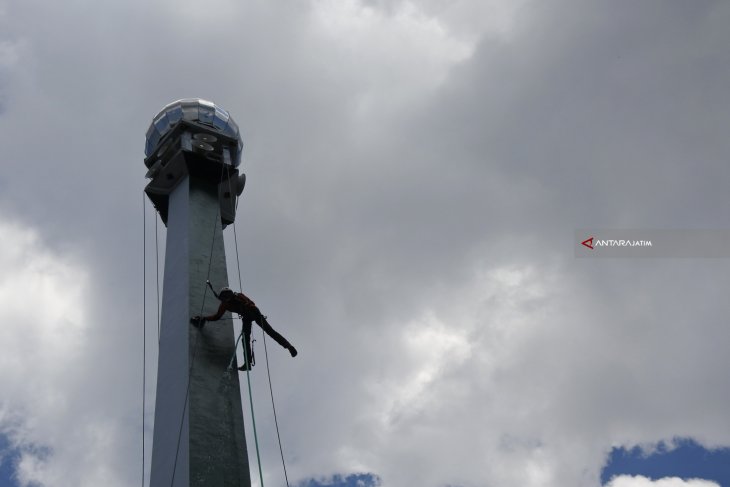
194, 110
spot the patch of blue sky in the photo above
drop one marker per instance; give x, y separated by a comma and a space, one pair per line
682, 457
8, 457
351, 480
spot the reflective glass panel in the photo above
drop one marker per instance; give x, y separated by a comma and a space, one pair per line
190, 111
221, 118
231, 128
174, 114
206, 113
153, 136
162, 123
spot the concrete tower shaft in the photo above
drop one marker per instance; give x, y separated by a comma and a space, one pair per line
199, 437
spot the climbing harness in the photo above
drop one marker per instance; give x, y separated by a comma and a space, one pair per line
235, 349
253, 353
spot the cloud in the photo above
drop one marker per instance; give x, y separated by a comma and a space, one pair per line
45, 330
641, 481
389, 77
42, 303
414, 183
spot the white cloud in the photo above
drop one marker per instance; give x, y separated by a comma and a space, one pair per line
41, 305
395, 57
46, 409
641, 481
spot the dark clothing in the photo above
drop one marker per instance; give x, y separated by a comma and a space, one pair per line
240, 304
248, 317
237, 303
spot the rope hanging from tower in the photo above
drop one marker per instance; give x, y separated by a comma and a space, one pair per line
195, 346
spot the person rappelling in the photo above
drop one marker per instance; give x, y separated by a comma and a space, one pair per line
242, 305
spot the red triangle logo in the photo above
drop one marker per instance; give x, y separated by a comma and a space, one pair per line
588, 243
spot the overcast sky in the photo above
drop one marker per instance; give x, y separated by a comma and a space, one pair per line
416, 171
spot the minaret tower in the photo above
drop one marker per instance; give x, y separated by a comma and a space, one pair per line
193, 152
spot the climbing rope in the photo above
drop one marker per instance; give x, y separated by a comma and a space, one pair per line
248, 367
253, 418
144, 316
245, 345
250, 394
273, 406
157, 276
195, 344
144, 323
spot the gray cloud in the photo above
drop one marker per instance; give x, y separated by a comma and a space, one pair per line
415, 176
